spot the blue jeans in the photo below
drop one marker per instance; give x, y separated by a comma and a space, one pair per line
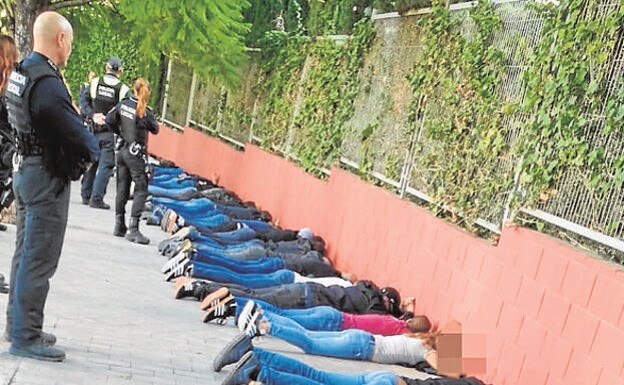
226, 239
350, 344
190, 208
173, 182
213, 241
257, 225
317, 318
42, 204
246, 252
168, 172
252, 266
206, 224
105, 164
277, 369
244, 235
181, 194
253, 281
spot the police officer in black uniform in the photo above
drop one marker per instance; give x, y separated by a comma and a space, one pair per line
53, 147
132, 119
104, 93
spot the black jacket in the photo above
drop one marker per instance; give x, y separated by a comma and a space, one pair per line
364, 297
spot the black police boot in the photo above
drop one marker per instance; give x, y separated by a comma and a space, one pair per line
120, 225
134, 235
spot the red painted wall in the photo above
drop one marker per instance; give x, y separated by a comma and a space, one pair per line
551, 314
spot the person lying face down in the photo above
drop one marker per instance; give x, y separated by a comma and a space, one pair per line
361, 298
409, 348
326, 318
254, 364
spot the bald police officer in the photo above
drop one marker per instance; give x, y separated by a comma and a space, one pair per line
53, 147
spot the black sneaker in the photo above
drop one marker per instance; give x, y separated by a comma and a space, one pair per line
215, 295
245, 315
223, 309
185, 287
232, 352
185, 268
249, 320
245, 370
38, 351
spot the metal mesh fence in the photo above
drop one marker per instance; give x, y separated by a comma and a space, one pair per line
378, 138
238, 109
380, 141
600, 210
178, 94
214, 109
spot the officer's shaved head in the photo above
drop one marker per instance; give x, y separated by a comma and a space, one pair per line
53, 36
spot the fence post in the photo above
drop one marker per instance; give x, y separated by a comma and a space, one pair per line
254, 113
220, 109
408, 165
189, 110
514, 190
164, 107
290, 138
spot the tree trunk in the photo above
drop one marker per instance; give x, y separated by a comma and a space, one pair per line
25, 13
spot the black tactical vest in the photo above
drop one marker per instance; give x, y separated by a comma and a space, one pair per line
17, 96
129, 130
106, 96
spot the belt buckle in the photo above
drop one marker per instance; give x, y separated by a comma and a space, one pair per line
17, 161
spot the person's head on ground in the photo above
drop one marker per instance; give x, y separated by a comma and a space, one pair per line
418, 324
53, 37
8, 57
141, 91
318, 244
392, 300
114, 66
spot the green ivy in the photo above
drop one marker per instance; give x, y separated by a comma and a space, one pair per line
367, 150
566, 88
282, 59
330, 17
453, 84
330, 88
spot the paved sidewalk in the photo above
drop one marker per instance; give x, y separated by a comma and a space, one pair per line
117, 320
